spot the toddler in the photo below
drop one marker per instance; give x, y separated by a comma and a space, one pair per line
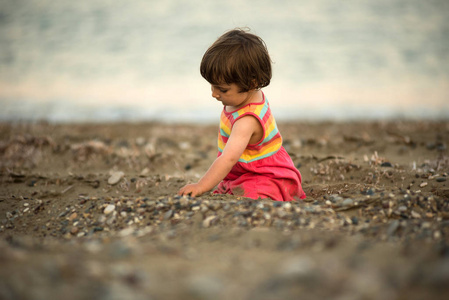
251, 160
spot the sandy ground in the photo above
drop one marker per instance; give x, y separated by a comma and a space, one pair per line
90, 212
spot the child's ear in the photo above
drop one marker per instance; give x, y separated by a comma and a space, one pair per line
254, 84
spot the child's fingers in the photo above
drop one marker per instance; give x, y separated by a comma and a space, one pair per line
185, 191
181, 191
191, 190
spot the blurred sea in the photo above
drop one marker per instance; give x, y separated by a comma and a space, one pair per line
101, 60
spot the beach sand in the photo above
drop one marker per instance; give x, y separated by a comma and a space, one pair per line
89, 211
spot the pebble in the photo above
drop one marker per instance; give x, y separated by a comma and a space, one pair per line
124, 216
126, 231
415, 215
168, 214
393, 227
73, 216
209, 220
437, 235
402, 208
440, 179
335, 198
297, 266
205, 286
144, 172
74, 230
423, 184
115, 177
98, 228
348, 202
109, 209
140, 141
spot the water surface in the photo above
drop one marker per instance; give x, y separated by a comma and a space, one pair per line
138, 60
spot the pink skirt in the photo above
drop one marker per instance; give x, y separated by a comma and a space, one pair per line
274, 177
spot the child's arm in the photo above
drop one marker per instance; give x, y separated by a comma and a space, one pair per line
242, 131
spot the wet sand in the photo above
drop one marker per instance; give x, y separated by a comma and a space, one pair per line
90, 212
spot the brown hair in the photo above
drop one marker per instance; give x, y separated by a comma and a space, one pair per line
237, 57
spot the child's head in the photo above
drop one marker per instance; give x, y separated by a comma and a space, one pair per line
237, 57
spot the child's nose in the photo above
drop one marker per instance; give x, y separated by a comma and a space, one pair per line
214, 93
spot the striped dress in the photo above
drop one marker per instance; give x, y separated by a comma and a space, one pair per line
264, 170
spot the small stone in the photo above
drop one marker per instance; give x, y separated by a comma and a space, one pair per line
368, 192
441, 179
115, 177
402, 208
126, 231
386, 164
144, 172
423, 184
335, 198
282, 214
426, 225
393, 227
74, 230
441, 146
63, 214
140, 141
209, 221
168, 214
415, 215
300, 266
184, 145
430, 146
204, 209
215, 206
73, 216
102, 219
110, 208
32, 183
205, 286
98, 228
348, 202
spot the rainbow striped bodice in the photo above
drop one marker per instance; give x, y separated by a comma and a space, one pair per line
271, 141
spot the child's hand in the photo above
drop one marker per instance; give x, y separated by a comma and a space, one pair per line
193, 190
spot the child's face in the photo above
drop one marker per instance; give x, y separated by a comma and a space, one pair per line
230, 95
